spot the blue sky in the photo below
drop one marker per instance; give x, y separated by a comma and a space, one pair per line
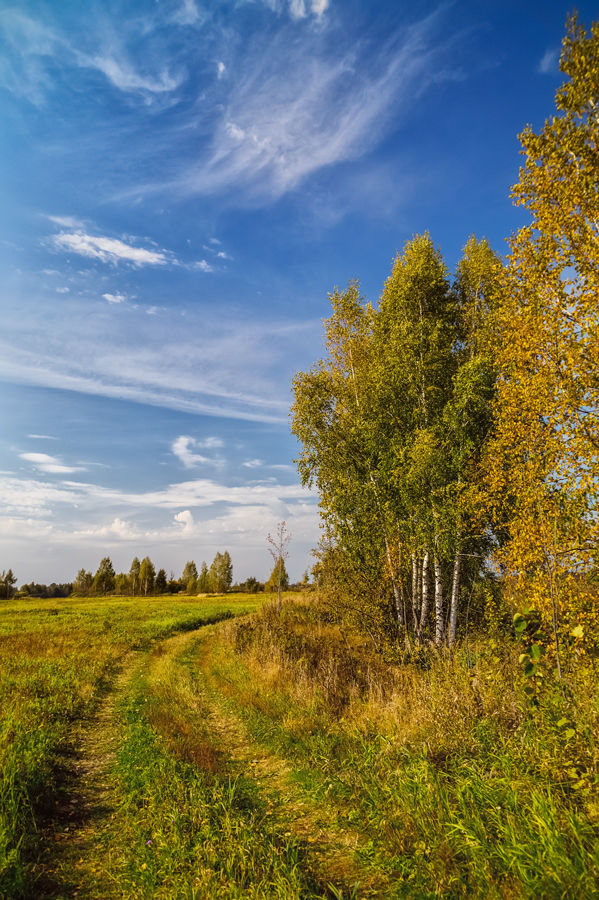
183, 182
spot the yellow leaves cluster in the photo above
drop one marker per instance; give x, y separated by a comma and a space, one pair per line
542, 467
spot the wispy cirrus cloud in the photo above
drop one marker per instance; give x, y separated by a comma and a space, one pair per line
299, 9
548, 64
115, 250
123, 75
253, 463
188, 13
50, 465
107, 249
34, 49
297, 109
201, 363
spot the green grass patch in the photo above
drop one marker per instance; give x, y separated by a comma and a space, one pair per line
461, 786
192, 829
56, 658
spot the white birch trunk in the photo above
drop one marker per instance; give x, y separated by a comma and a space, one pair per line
455, 594
415, 593
398, 603
439, 623
414, 580
425, 594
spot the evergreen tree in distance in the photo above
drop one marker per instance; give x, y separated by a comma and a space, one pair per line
203, 585
160, 583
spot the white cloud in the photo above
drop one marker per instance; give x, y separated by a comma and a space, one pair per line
297, 109
37, 50
78, 522
319, 7
211, 443
188, 14
185, 519
184, 448
219, 254
64, 222
108, 250
221, 69
115, 298
253, 463
190, 358
63, 290
297, 8
49, 464
548, 64
42, 437
123, 76
203, 266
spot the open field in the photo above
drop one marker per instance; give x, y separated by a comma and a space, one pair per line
150, 751
59, 660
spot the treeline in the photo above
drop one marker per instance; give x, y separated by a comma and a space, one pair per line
451, 430
45, 591
142, 579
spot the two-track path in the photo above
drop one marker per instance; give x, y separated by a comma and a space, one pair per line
79, 831
76, 842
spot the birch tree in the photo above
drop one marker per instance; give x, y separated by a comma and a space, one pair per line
134, 575
147, 574
543, 465
392, 423
278, 550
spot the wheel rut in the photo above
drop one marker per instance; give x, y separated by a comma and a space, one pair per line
331, 845
75, 838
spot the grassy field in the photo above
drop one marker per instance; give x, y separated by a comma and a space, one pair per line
150, 750
58, 659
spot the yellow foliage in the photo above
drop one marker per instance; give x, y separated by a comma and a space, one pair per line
542, 468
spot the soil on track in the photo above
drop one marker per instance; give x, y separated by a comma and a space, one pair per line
77, 838
332, 846
79, 829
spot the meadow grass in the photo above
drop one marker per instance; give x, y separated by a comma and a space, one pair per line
462, 786
277, 756
56, 659
187, 825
